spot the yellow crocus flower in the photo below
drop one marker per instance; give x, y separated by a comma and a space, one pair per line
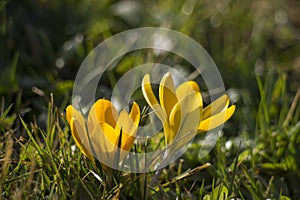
181, 109
104, 132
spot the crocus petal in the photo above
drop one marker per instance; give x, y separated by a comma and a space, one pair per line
109, 133
186, 115
78, 130
187, 104
112, 135
135, 113
151, 99
74, 115
103, 142
72, 112
216, 120
172, 127
103, 111
186, 88
124, 122
216, 107
128, 128
79, 134
167, 93
127, 140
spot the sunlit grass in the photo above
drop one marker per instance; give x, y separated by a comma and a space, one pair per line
44, 163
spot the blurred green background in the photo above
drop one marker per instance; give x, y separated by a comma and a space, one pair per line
44, 42
255, 45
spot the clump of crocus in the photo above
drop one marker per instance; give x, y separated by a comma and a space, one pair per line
105, 135
181, 109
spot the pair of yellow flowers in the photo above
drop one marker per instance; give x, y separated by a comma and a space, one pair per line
179, 109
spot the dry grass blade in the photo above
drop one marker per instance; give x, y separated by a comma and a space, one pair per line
185, 174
